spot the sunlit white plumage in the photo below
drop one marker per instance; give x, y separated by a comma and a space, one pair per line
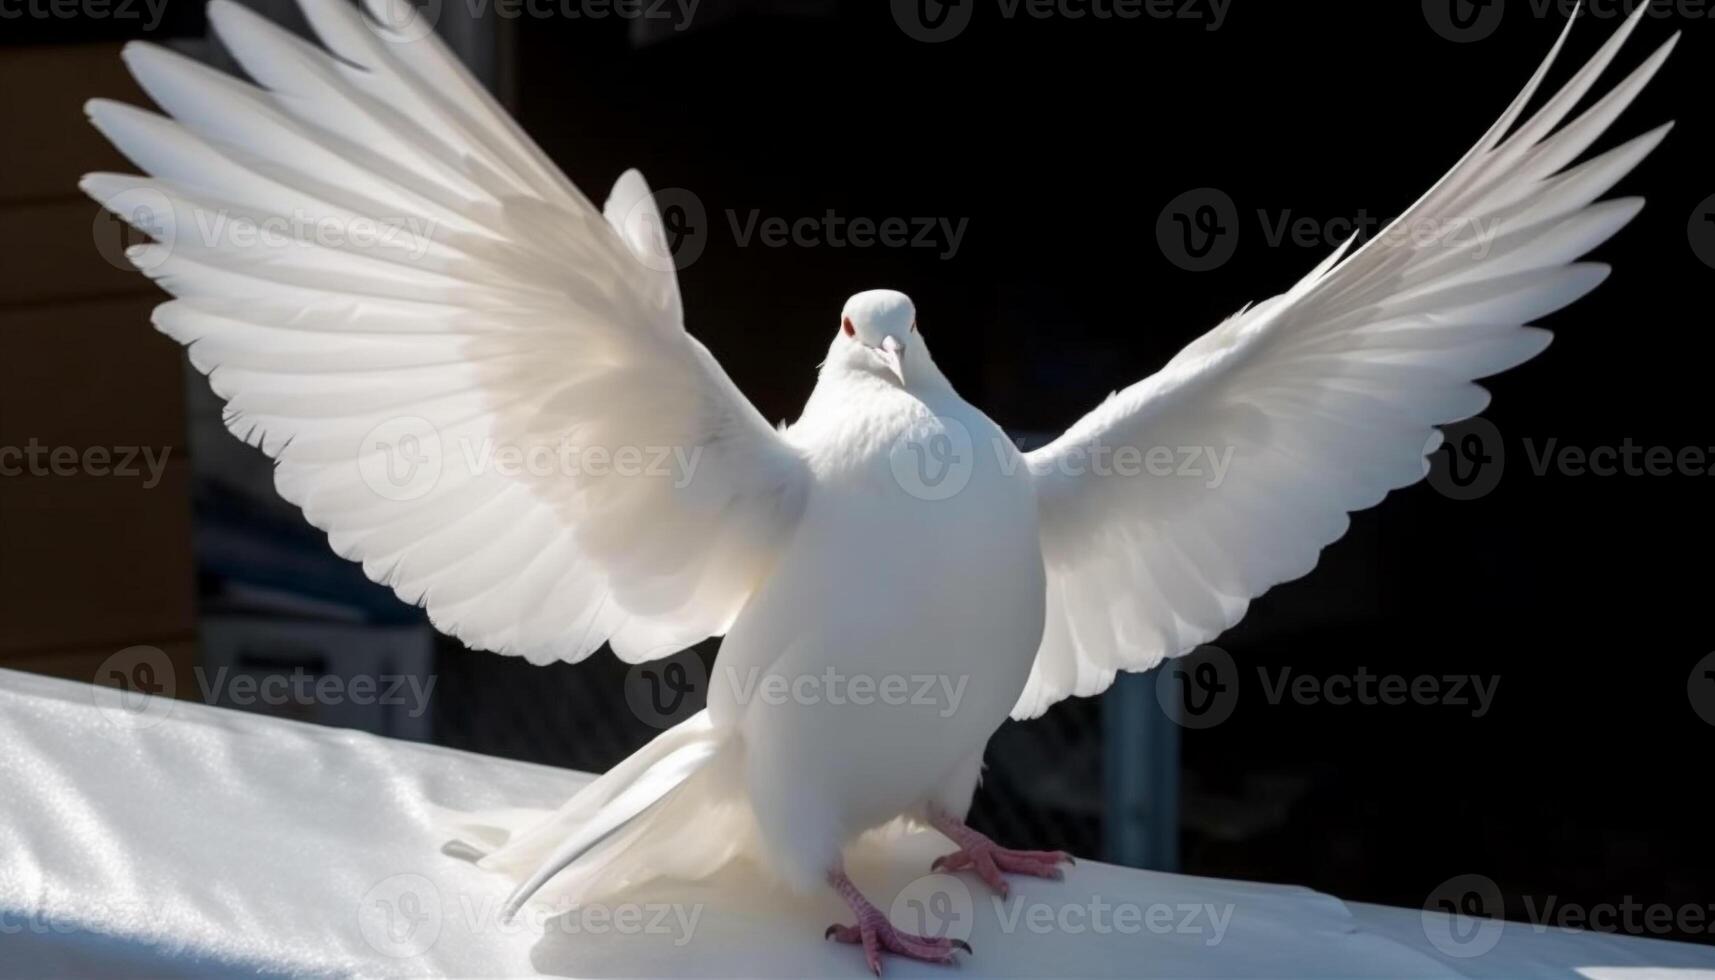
502, 309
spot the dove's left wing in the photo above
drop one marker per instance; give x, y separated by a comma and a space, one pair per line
478, 384
1317, 402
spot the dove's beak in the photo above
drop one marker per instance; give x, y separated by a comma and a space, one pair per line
892, 354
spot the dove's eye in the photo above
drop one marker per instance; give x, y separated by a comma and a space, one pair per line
913, 326
846, 325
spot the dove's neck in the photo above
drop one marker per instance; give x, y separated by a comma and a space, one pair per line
858, 403
849, 368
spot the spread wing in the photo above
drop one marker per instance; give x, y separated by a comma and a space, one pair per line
1326, 396
476, 383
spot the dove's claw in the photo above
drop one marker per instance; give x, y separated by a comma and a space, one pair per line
878, 936
989, 860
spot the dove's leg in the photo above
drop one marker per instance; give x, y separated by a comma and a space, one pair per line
878, 936
988, 859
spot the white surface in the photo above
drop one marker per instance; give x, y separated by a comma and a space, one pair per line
196, 840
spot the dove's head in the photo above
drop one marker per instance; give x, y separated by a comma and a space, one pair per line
878, 335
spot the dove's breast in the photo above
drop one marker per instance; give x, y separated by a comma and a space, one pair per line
898, 629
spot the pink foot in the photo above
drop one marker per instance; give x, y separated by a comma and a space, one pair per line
878, 936
988, 859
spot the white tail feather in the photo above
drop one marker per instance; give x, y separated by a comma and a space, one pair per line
615, 831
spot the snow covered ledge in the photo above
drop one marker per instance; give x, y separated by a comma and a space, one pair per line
189, 841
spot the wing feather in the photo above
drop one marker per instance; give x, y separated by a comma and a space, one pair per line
1325, 398
383, 277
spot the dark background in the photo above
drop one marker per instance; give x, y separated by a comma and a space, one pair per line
1583, 598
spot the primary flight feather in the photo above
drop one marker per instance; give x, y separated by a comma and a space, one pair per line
363, 247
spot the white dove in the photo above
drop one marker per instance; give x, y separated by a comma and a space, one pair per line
491, 306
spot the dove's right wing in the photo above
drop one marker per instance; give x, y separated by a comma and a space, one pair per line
1319, 401
476, 383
